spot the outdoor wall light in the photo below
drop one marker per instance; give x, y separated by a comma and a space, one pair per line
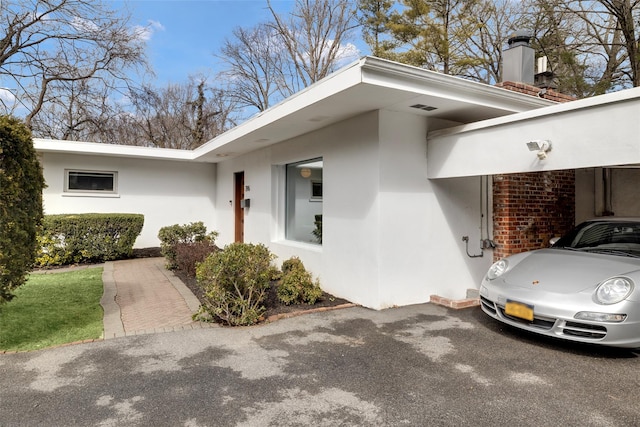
541, 146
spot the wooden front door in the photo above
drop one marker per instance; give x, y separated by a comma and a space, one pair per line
238, 209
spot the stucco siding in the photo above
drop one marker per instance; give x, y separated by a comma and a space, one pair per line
165, 192
390, 236
422, 222
347, 261
590, 192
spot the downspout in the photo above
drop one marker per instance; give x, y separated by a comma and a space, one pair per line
488, 243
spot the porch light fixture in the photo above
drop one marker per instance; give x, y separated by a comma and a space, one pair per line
305, 172
541, 146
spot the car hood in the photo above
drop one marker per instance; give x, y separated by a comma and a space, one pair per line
565, 271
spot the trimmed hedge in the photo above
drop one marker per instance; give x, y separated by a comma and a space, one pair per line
77, 238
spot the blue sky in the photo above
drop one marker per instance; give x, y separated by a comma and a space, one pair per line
185, 34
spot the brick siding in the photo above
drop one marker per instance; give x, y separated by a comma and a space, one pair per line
531, 208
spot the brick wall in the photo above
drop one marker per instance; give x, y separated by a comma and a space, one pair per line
531, 208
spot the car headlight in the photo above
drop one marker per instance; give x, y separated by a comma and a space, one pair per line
497, 269
613, 290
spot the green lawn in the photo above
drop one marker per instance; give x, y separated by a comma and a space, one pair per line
52, 309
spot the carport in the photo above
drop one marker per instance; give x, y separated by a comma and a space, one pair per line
578, 159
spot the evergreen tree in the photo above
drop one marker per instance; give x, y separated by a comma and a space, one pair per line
21, 184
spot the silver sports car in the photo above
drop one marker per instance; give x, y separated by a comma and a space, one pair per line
585, 288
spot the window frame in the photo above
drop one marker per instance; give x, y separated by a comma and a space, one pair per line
67, 189
292, 234
314, 183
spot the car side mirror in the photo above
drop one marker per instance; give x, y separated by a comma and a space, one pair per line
553, 241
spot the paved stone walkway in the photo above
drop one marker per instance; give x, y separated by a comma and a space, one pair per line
141, 296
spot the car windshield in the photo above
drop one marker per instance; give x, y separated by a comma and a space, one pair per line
612, 237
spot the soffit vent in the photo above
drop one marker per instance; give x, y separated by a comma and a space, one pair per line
424, 107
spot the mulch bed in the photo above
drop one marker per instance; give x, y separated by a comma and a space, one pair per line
273, 305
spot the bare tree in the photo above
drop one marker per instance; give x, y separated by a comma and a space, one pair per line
181, 116
276, 59
614, 31
486, 37
78, 112
48, 46
314, 37
587, 43
253, 61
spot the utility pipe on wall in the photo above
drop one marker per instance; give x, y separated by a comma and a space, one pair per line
607, 188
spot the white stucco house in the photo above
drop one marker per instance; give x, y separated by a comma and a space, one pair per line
395, 163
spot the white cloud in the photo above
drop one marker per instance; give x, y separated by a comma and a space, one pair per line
144, 33
6, 96
82, 24
347, 53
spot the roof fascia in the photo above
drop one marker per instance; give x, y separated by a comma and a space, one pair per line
113, 150
393, 74
595, 132
342, 79
383, 73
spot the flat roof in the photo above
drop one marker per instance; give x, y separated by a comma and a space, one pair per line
364, 85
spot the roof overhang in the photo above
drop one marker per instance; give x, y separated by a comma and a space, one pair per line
366, 85
113, 150
593, 132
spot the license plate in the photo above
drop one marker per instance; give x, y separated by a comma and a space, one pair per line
520, 310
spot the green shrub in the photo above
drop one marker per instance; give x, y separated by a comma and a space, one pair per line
235, 281
173, 235
317, 232
296, 285
75, 238
21, 184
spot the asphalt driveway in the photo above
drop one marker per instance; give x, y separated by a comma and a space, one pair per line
418, 365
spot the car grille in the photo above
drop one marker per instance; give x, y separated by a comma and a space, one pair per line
584, 330
539, 322
575, 329
488, 305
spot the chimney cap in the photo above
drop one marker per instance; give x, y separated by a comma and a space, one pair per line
520, 38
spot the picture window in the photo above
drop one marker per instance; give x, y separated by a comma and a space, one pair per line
304, 192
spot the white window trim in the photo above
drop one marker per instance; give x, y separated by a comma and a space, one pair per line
90, 193
281, 235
